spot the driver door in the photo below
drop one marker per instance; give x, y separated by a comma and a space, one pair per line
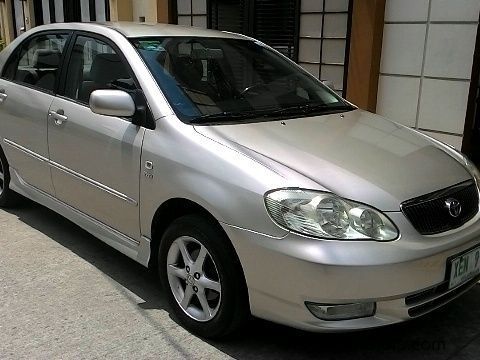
95, 158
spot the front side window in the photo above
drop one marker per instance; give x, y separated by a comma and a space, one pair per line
223, 80
38, 62
95, 65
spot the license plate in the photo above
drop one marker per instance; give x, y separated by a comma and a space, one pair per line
464, 267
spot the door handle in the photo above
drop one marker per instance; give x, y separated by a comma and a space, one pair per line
3, 96
58, 117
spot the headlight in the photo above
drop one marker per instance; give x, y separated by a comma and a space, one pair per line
328, 216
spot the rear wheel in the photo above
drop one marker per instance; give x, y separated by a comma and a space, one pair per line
7, 196
203, 278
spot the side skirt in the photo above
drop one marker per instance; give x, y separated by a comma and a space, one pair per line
134, 249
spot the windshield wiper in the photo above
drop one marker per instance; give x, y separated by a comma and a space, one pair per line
226, 115
305, 109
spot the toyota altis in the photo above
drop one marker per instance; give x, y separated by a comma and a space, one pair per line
250, 186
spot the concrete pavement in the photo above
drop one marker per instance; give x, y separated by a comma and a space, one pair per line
66, 295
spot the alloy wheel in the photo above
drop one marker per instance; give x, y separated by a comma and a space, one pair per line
193, 278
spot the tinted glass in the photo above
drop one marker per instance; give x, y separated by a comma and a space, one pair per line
39, 61
94, 65
10, 67
213, 79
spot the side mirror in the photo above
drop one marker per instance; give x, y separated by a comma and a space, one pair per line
112, 103
329, 84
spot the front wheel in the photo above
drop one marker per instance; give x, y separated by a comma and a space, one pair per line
202, 276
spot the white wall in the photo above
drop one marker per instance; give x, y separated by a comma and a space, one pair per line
139, 8
323, 39
192, 13
426, 65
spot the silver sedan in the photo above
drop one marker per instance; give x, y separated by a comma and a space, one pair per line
248, 184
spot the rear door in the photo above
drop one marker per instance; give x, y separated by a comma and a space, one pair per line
96, 159
27, 90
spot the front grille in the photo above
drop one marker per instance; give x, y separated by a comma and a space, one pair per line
429, 214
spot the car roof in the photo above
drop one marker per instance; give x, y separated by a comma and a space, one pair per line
137, 29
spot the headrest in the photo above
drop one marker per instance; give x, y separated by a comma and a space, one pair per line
107, 68
46, 58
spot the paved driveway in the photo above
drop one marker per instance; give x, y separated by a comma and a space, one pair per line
64, 294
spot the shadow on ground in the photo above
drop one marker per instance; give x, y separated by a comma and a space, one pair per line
112, 263
452, 332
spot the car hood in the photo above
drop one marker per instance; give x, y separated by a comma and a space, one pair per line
357, 155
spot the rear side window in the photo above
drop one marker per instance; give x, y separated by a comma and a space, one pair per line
38, 61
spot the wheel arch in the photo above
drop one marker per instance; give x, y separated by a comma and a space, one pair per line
172, 209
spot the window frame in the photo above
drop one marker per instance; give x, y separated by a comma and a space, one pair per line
68, 58
14, 59
150, 122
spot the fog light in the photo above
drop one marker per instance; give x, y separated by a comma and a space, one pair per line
341, 311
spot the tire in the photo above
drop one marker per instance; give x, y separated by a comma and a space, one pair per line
8, 197
219, 280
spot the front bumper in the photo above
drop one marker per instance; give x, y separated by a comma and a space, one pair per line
406, 278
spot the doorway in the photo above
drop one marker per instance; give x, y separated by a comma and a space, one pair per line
476, 117
471, 138
38, 12
72, 10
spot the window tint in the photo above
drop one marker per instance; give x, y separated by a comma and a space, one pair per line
39, 61
225, 79
10, 67
95, 65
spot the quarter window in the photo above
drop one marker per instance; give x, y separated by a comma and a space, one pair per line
95, 65
38, 61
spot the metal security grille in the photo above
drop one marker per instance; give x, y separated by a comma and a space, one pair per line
51, 11
429, 214
228, 16
275, 22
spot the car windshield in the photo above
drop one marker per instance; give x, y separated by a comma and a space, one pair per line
219, 80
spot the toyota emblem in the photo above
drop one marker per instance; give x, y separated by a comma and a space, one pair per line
454, 207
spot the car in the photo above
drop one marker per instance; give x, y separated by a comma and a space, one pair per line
250, 186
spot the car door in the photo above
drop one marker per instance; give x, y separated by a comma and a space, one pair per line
26, 92
95, 159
